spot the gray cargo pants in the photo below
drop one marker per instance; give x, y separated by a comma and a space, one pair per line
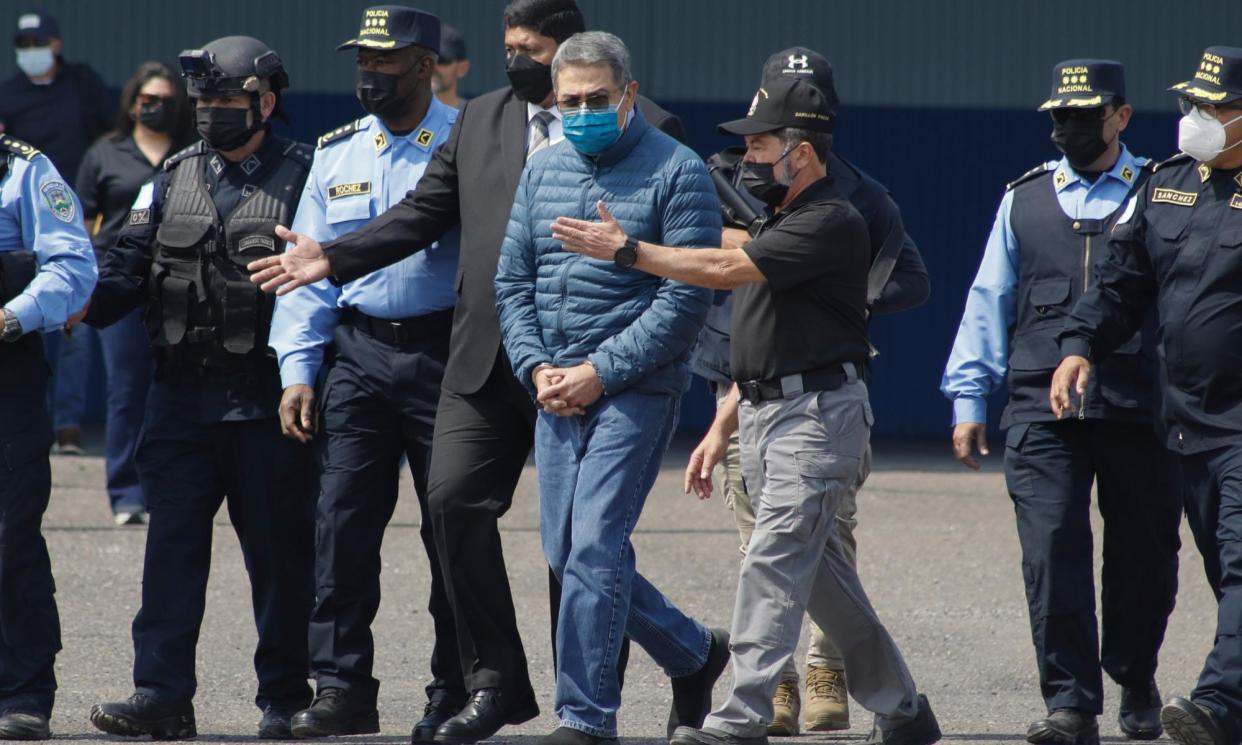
801, 456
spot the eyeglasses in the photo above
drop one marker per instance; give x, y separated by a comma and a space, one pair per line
596, 102
1094, 113
1185, 104
147, 99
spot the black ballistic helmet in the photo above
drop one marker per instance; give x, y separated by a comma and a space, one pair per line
230, 66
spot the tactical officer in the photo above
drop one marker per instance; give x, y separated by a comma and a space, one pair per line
1177, 248
1041, 256
391, 333
211, 432
47, 271
897, 281
799, 353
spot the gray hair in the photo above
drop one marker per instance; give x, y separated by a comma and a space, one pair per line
594, 48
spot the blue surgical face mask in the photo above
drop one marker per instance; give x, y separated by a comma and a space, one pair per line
36, 61
592, 131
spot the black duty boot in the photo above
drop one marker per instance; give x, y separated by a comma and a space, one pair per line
143, 715
1189, 723
571, 736
922, 730
487, 711
24, 725
692, 694
438, 710
1139, 717
1065, 727
332, 713
276, 723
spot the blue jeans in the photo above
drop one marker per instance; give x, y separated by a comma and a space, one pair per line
127, 362
72, 366
594, 475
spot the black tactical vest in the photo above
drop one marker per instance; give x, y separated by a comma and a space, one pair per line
1057, 259
205, 309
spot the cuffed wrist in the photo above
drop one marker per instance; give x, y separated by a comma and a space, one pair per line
1075, 346
969, 409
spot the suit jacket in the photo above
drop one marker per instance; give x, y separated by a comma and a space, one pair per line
471, 182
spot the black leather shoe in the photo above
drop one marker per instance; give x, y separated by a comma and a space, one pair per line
331, 713
1139, 717
277, 722
1065, 727
438, 710
143, 715
1189, 723
24, 725
710, 736
570, 736
692, 694
922, 730
483, 716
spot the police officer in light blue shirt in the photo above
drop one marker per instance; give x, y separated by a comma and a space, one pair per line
389, 331
47, 272
1050, 232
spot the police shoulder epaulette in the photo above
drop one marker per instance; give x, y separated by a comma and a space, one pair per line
1035, 172
18, 148
1176, 159
339, 133
300, 152
197, 148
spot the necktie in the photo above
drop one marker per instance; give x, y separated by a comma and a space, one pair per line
538, 133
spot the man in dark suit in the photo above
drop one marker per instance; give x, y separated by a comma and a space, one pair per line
485, 421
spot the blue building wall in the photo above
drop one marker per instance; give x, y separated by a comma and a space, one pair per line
939, 102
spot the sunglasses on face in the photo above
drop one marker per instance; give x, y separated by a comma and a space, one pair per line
146, 99
1092, 114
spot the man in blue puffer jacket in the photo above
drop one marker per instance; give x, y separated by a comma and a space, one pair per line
604, 349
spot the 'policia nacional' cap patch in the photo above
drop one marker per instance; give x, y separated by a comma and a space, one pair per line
1085, 83
396, 27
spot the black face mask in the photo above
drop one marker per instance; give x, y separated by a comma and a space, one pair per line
531, 81
378, 93
224, 129
1082, 141
760, 180
159, 116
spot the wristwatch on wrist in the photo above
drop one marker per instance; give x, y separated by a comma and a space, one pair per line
627, 255
12, 330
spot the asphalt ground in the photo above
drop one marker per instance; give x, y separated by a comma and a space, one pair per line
937, 548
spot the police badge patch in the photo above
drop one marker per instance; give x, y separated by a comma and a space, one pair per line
60, 200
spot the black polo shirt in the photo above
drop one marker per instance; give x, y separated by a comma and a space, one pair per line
811, 311
61, 118
111, 175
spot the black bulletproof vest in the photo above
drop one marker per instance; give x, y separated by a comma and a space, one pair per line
1057, 256
206, 309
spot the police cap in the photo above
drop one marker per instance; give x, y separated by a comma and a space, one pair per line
784, 102
452, 45
396, 27
1085, 84
231, 66
1218, 78
806, 64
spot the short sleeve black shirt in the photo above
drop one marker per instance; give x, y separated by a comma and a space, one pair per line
111, 175
811, 311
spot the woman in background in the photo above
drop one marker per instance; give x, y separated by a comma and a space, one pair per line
154, 122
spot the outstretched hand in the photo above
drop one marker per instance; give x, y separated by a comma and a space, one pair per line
303, 264
599, 240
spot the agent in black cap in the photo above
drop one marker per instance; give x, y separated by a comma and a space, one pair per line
397, 48
1050, 231
451, 67
897, 281
1174, 250
799, 345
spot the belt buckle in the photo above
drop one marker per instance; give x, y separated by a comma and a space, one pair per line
399, 333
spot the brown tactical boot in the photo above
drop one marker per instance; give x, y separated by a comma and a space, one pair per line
827, 705
785, 709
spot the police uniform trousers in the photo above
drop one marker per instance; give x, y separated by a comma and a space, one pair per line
29, 624
379, 402
1211, 484
1049, 469
801, 456
187, 468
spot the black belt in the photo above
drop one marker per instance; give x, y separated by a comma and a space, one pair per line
813, 381
402, 331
